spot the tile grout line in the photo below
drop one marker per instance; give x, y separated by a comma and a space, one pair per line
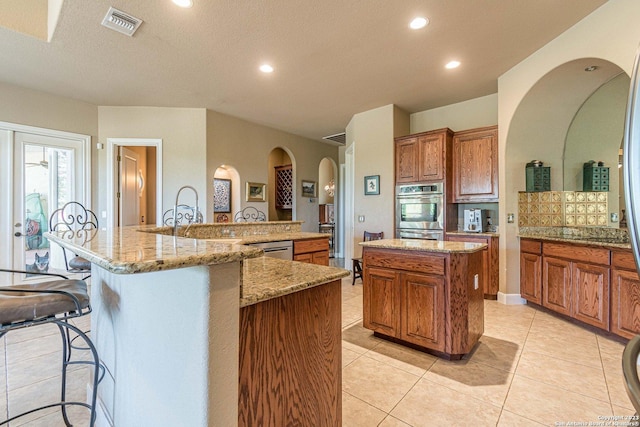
604, 375
515, 370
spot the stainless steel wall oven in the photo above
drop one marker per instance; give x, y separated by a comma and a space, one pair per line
420, 211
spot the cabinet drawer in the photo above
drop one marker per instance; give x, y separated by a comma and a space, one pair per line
531, 246
472, 239
306, 246
577, 253
405, 260
623, 259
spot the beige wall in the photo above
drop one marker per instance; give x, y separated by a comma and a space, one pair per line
246, 147
33, 108
610, 33
474, 113
372, 134
184, 147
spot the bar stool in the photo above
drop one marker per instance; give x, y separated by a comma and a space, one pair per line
55, 302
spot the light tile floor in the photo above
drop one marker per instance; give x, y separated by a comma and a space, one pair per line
530, 369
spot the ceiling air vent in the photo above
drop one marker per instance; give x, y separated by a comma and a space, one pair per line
121, 22
340, 138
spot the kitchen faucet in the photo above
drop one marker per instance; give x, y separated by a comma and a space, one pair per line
197, 216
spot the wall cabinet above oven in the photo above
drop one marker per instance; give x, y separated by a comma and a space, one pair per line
423, 157
475, 165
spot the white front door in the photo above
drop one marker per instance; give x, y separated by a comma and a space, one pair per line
48, 171
129, 191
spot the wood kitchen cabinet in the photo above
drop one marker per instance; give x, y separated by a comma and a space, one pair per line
423, 157
575, 280
475, 165
625, 294
424, 299
312, 251
531, 270
490, 260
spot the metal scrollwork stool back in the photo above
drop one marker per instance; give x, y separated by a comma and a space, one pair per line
250, 214
74, 221
52, 302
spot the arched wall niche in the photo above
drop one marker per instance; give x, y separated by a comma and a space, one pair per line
280, 156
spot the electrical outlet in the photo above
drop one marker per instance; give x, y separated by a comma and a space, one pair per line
511, 218
475, 281
361, 218
614, 216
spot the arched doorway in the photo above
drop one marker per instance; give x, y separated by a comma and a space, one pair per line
327, 173
226, 193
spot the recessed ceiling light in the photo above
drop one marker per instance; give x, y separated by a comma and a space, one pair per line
266, 68
183, 3
418, 23
452, 64
591, 68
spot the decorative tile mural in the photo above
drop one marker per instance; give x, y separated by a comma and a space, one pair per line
562, 208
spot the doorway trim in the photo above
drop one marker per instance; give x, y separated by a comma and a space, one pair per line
112, 174
349, 203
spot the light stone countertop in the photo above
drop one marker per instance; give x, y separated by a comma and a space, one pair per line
594, 241
125, 250
466, 233
264, 278
425, 245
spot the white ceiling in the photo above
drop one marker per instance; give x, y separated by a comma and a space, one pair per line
332, 58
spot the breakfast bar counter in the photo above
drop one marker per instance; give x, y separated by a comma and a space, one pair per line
425, 294
174, 318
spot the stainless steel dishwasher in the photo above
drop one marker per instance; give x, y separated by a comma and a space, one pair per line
282, 249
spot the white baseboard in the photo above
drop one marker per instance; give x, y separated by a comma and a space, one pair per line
510, 299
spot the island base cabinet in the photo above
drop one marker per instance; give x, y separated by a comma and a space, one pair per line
291, 360
429, 301
381, 301
423, 318
625, 303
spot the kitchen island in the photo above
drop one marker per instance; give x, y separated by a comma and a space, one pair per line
175, 318
425, 294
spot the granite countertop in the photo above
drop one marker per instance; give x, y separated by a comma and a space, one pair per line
265, 278
425, 245
125, 250
594, 241
466, 233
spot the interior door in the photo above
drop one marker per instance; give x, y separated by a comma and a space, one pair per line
129, 200
48, 172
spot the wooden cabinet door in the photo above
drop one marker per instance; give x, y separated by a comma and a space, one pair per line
431, 157
321, 258
422, 310
556, 294
475, 165
308, 258
531, 277
591, 294
625, 303
406, 155
381, 304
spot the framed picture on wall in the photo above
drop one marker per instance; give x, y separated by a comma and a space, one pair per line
309, 189
371, 185
221, 195
256, 192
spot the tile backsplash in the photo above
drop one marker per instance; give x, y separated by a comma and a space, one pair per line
562, 208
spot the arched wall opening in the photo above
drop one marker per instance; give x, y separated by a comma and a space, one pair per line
281, 157
227, 197
544, 127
